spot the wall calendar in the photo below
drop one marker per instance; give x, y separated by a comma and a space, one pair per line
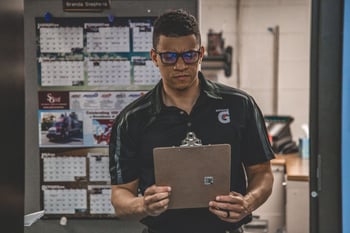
89, 69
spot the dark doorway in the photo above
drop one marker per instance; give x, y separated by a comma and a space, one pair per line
12, 115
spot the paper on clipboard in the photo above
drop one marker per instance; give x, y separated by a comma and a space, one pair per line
196, 174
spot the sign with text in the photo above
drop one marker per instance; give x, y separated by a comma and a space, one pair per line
53, 100
86, 5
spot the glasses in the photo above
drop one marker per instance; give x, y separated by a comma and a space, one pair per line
170, 58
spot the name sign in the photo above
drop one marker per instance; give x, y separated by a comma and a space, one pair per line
86, 5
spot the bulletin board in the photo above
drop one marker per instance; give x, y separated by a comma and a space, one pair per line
89, 69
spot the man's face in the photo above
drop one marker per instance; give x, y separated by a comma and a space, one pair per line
179, 76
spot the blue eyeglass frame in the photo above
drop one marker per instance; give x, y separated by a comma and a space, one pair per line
177, 55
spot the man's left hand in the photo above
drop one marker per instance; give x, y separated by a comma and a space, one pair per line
230, 208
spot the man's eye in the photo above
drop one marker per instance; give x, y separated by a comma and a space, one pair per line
169, 55
189, 54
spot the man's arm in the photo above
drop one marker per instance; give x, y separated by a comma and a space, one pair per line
129, 205
260, 182
234, 207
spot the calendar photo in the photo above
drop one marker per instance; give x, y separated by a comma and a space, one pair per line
84, 118
102, 131
98, 127
60, 128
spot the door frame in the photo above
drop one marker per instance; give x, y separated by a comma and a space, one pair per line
325, 116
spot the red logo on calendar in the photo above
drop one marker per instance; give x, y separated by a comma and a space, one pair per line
51, 100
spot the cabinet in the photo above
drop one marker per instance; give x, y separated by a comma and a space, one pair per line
297, 196
273, 210
287, 209
297, 208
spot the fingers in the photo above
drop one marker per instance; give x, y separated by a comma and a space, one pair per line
228, 208
227, 215
157, 189
156, 199
232, 201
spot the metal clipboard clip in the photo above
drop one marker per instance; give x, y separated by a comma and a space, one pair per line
191, 140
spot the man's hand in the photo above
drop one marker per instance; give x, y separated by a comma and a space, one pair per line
156, 199
234, 207
229, 208
129, 205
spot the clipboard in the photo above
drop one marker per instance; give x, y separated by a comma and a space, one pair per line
196, 173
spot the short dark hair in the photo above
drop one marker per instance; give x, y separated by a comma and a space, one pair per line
175, 23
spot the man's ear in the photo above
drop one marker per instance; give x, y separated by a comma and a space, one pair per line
202, 50
153, 55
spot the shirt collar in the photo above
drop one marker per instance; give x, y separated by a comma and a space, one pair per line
207, 87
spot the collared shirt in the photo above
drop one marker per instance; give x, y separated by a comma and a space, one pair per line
221, 114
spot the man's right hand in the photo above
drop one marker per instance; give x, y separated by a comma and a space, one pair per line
129, 205
156, 199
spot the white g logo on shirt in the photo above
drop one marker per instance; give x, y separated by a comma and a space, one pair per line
224, 116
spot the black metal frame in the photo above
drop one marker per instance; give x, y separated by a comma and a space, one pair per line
325, 116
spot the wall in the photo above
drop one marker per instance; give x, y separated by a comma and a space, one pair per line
245, 26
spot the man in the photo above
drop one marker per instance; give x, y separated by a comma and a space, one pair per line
181, 102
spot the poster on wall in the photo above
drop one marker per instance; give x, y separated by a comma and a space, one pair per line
80, 119
95, 52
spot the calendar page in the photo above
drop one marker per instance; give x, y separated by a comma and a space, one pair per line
98, 167
95, 52
114, 71
100, 199
63, 168
75, 182
60, 39
59, 199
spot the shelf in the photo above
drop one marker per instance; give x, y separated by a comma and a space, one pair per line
219, 62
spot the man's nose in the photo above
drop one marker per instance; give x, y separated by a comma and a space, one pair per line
180, 64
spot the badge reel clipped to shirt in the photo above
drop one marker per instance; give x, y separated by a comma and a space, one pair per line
196, 173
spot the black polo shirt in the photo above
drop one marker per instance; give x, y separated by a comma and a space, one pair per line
221, 114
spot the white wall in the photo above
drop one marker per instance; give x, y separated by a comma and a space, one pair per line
245, 28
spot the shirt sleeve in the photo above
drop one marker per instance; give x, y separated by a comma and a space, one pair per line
256, 147
123, 163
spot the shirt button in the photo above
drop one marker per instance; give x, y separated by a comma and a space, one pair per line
189, 124
182, 112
